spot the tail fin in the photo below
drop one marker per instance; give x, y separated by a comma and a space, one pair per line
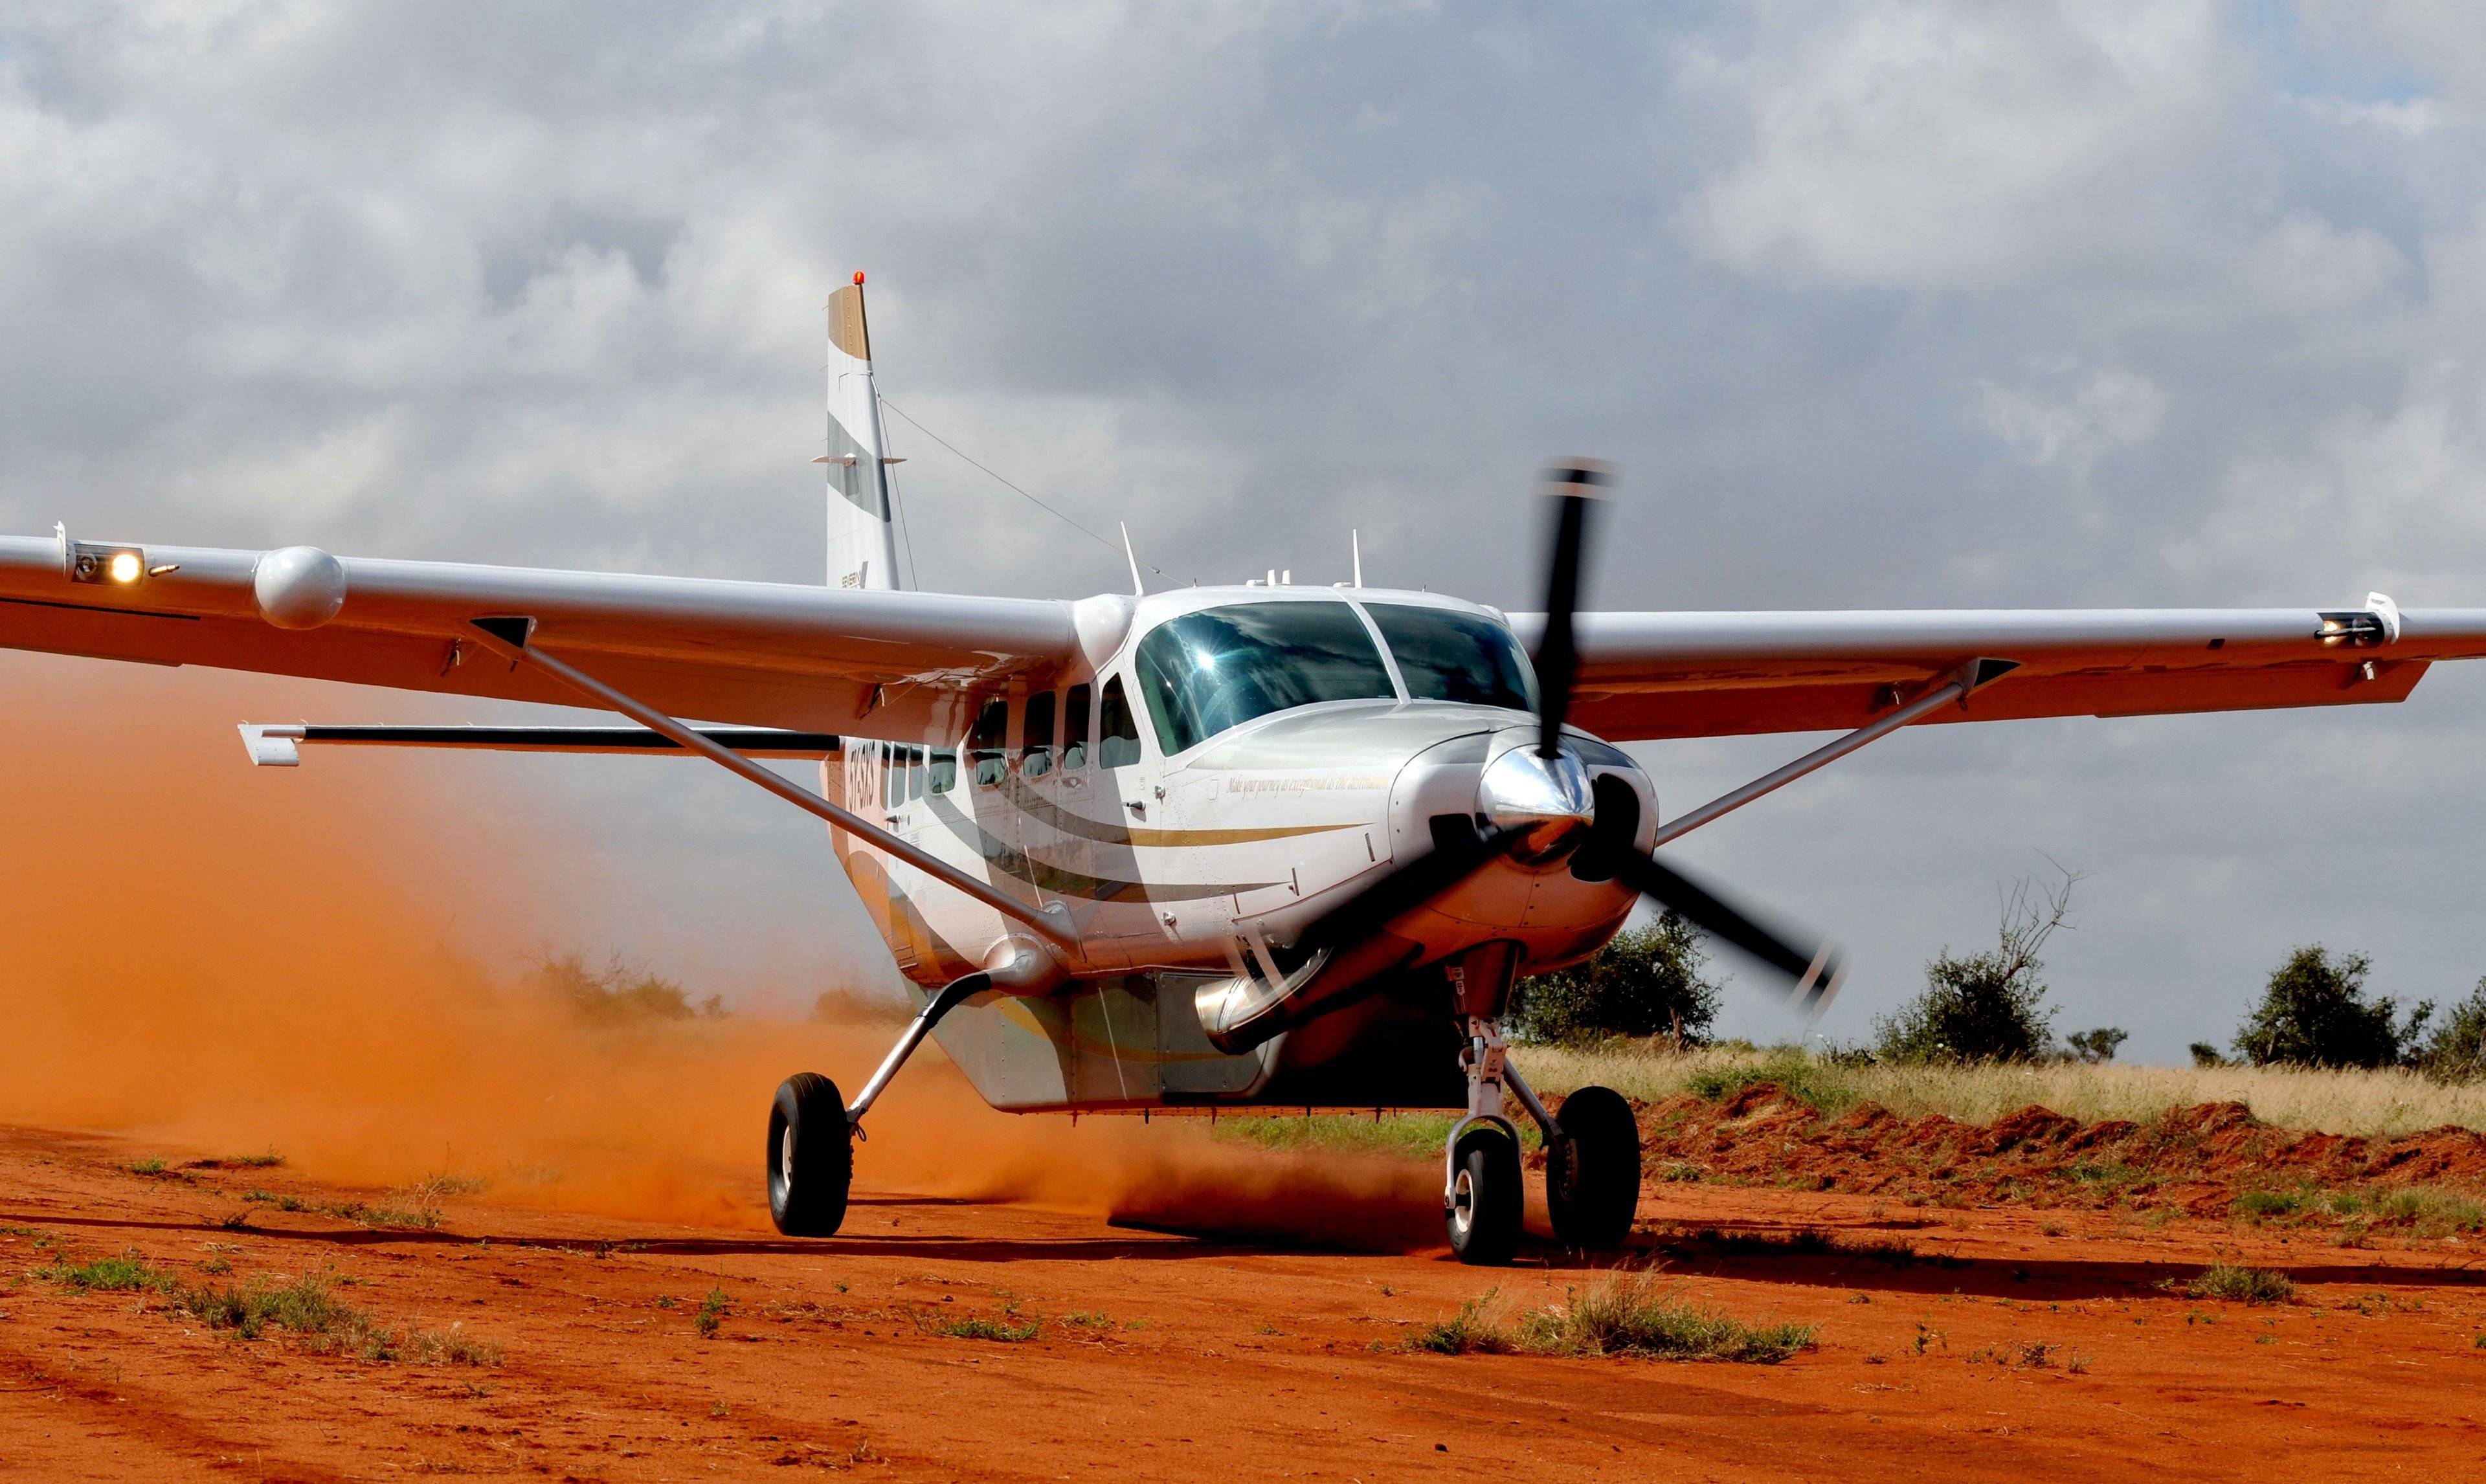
861, 551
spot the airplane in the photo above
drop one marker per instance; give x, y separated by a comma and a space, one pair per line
1263, 844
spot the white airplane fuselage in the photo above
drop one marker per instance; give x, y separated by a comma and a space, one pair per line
1177, 845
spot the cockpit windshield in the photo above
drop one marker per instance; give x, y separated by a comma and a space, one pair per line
1205, 672
1445, 654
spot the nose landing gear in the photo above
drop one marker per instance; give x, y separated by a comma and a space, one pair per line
1592, 1150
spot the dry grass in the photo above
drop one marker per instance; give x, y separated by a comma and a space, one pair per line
2241, 1285
2374, 1104
1632, 1315
303, 1306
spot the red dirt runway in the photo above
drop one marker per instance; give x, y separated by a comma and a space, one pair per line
1199, 1359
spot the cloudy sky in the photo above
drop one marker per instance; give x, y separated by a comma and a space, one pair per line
1886, 303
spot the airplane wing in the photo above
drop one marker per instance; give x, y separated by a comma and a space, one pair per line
765, 655
1646, 676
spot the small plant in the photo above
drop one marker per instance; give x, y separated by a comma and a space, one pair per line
980, 1327
665, 1300
2265, 1205
719, 1410
1084, 1320
711, 1313
146, 1168
1632, 1316
1465, 1332
124, 1274
2241, 1285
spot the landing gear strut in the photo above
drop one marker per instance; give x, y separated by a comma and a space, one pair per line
1592, 1150
811, 1131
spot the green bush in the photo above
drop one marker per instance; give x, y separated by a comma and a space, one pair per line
2096, 1047
2315, 1012
1645, 982
1988, 1006
2457, 1052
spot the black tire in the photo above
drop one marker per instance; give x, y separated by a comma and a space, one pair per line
1592, 1171
1485, 1203
811, 1157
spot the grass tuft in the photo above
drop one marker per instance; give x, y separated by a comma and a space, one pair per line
2241, 1285
1467, 1331
126, 1273
306, 1308
1624, 1316
977, 1327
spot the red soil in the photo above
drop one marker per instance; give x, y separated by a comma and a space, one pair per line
1199, 1357
2198, 1159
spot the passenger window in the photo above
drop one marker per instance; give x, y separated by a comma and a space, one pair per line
987, 745
1036, 736
1074, 729
1118, 730
893, 788
914, 774
944, 770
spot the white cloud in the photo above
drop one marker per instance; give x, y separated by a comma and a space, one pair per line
2437, 39
2307, 263
2116, 409
1939, 142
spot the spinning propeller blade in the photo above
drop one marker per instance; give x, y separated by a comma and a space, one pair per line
1558, 659
1453, 861
1815, 972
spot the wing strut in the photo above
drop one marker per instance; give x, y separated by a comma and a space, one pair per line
507, 639
1970, 677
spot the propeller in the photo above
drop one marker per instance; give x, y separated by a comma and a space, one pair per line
1539, 803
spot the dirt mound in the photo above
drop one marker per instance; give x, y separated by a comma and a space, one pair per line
2198, 1159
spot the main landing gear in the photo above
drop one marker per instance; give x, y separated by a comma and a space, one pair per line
1591, 1147
811, 1131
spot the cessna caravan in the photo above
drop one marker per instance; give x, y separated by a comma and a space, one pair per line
1214, 847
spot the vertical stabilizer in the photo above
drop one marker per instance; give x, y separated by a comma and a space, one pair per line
862, 552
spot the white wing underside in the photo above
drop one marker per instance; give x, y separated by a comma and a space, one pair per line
1691, 674
763, 655
823, 659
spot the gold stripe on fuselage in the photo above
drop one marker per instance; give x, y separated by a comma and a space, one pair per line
1113, 832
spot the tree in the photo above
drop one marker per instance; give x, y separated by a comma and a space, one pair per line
2205, 1055
2096, 1046
2315, 1012
1986, 1007
1645, 982
2457, 1052
618, 993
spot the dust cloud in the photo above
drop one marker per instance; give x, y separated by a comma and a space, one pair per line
324, 961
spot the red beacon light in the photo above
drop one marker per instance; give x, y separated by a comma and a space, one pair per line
858, 277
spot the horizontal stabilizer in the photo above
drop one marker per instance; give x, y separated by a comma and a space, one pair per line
279, 745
